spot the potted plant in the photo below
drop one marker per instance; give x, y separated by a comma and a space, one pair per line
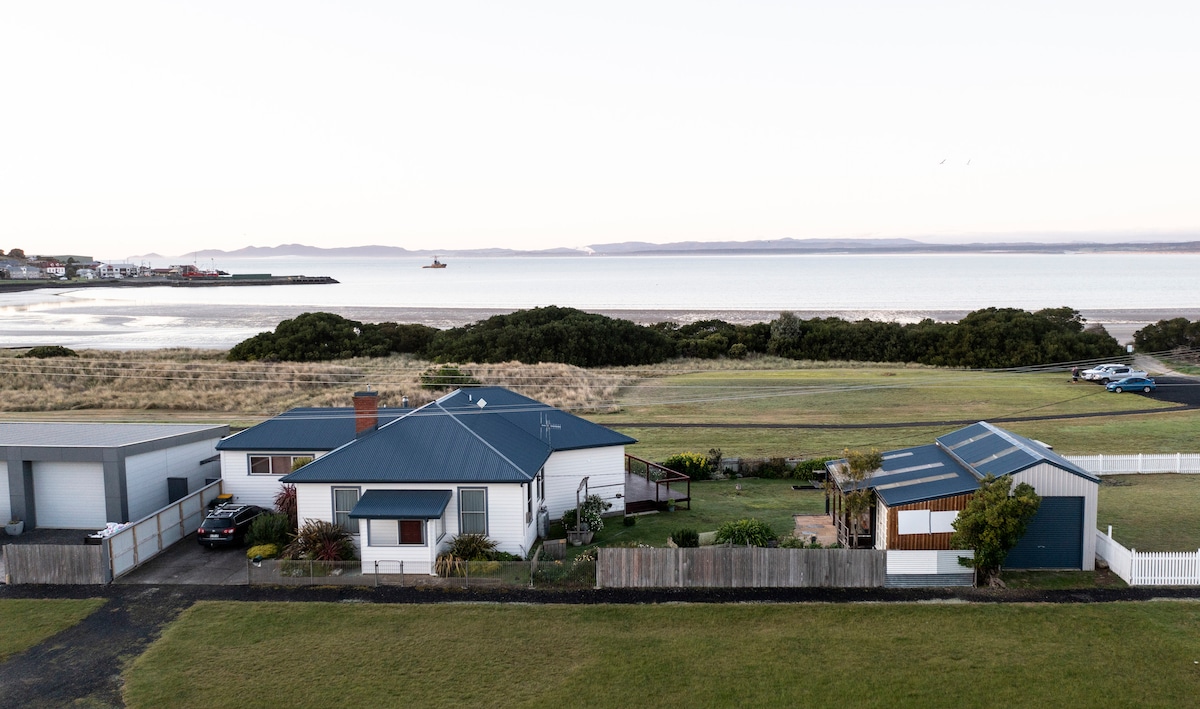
14, 527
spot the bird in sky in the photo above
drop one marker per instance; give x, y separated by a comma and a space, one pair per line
943, 161
968, 162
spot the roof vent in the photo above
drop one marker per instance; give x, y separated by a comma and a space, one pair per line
481, 403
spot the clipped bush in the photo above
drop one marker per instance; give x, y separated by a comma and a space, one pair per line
264, 551
746, 532
275, 529
686, 538
46, 351
807, 470
321, 541
630, 520
693, 465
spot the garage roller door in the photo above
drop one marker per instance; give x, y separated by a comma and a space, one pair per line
1054, 539
69, 495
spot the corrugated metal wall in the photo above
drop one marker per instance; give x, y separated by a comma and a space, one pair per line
1052, 481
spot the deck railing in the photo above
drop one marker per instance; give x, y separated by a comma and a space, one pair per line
662, 477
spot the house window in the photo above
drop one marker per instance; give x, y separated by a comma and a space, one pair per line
472, 510
344, 500
275, 464
392, 532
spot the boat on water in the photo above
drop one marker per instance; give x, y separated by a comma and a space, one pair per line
435, 264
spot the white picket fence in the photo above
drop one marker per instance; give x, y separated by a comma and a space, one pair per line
1188, 463
1156, 568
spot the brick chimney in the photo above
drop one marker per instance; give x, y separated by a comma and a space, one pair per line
366, 412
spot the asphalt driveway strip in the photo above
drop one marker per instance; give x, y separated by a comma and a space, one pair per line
82, 665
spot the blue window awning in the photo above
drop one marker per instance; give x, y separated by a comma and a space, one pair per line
401, 504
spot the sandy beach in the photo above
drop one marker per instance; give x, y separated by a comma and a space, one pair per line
121, 325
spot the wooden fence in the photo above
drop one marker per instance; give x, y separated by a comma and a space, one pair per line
55, 563
740, 567
1139, 568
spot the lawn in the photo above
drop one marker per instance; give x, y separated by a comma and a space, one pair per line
319, 654
841, 398
1151, 512
717, 501
27, 622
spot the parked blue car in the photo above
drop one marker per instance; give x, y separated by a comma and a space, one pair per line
1132, 384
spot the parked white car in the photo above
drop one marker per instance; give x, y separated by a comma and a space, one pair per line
1106, 373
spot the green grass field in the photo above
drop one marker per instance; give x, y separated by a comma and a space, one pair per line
27, 622
1151, 512
883, 395
853, 655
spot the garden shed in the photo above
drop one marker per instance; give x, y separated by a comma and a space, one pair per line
918, 492
84, 475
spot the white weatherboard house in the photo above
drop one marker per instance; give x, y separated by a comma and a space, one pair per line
84, 475
480, 460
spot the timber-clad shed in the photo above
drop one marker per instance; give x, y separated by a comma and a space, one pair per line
919, 491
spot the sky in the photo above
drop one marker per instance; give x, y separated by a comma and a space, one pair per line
168, 127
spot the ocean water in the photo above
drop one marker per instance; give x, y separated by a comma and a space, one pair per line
1111, 288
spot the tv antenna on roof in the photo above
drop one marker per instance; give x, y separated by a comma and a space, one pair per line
547, 426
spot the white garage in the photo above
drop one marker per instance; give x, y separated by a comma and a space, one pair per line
84, 475
69, 495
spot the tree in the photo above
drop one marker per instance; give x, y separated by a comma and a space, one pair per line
313, 337
856, 493
991, 525
16, 253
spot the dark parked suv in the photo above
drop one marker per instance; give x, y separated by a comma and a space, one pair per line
227, 525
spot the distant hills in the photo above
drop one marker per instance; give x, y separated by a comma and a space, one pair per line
773, 246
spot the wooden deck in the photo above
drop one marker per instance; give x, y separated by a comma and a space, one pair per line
643, 493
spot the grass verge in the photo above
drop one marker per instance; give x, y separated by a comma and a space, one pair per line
317, 654
27, 622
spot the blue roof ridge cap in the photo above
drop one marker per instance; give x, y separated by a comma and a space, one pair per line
478, 437
1041, 452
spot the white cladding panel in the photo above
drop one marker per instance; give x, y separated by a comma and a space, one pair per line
881, 524
505, 506
146, 474
604, 468
250, 489
69, 495
5, 503
1051, 481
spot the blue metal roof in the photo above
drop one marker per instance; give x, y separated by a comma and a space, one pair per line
401, 504
302, 430
992, 450
917, 474
479, 435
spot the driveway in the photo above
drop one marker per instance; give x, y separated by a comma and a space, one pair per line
189, 563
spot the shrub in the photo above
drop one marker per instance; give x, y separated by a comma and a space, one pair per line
772, 468
630, 520
285, 502
319, 540
592, 511
265, 551
471, 547
45, 351
693, 465
275, 529
446, 377
313, 337
742, 532
686, 537
738, 351
806, 470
